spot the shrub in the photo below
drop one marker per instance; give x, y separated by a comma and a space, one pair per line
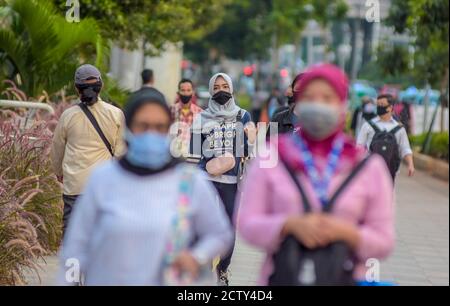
438, 145
30, 200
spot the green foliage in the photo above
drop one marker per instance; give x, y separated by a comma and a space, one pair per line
394, 59
128, 21
375, 72
428, 22
243, 33
250, 28
113, 93
244, 101
438, 147
42, 48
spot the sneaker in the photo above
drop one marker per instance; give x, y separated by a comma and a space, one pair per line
223, 279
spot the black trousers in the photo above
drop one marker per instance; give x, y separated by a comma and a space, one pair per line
227, 193
69, 201
256, 114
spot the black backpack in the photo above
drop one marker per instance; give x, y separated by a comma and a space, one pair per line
385, 144
296, 265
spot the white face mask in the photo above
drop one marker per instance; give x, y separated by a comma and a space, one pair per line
318, 120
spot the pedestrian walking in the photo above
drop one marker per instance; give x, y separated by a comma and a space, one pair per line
363, 113
223, 135
148, 81
274, 103
285, 118
86, 135
183, 112
324, 209
404, 112
145, 219
385, 136
258, 100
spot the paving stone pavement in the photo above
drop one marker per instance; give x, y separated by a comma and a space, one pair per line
421, 256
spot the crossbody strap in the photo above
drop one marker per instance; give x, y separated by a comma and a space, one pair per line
396, 129
306, 204
346, 182
97, 127
180, 224
374, 126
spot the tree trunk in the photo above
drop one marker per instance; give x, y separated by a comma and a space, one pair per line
426, 107
444, 101
275, 60
297, 48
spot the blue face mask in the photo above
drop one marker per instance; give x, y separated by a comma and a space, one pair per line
150, 150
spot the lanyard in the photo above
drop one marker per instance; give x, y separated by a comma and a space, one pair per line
320, 182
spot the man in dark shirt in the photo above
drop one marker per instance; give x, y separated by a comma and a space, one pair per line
285, 117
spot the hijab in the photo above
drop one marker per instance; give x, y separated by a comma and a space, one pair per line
136, 101
321, 148
216, 113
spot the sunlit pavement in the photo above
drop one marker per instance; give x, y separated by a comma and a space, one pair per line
421, 256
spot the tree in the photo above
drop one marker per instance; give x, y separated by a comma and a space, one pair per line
251, 28
428, 22
42, 49
394, 60
128, 22
326, 12
243, 33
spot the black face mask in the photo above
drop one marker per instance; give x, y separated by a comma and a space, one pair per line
185, 99
222, 97
382, 110
89, 92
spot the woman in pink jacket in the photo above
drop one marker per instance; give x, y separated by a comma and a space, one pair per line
321, 157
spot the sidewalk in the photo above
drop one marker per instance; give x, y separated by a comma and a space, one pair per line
421, 256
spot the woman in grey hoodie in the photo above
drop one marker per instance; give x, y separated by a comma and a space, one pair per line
222, 135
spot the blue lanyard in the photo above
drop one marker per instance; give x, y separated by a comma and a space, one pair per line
320, 183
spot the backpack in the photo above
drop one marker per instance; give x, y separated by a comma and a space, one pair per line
333, 265
385, 144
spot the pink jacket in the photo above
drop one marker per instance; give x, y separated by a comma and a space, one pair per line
269, 196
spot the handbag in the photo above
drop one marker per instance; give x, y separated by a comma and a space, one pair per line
333, 265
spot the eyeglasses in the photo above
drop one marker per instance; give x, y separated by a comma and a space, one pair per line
148, 127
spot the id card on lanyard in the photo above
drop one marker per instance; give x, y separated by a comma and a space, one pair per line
320, 182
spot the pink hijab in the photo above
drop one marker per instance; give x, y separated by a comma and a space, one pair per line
339, 81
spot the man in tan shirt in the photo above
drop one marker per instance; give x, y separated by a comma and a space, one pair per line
77, 147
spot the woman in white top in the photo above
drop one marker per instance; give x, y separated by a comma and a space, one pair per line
146, 216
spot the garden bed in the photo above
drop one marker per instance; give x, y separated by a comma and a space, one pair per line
30, 201
434, 166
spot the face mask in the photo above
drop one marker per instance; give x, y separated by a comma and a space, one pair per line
382, 110
185, 99
317, 119
369, 108
222, 97
148, 150
89, 92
